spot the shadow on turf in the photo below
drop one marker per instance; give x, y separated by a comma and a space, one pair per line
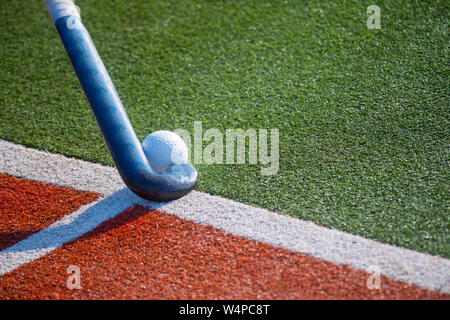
10, 238
76, 225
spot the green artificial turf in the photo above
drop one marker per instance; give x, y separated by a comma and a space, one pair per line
363, 115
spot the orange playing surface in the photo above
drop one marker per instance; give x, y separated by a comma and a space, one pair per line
147, 254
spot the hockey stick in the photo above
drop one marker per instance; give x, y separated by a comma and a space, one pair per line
123, 144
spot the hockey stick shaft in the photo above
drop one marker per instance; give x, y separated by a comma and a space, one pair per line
124, 146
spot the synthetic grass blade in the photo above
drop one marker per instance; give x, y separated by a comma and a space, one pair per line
123, 144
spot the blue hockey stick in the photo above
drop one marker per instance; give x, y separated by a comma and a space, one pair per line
123, 144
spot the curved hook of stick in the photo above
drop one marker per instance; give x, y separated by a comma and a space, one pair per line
124, 146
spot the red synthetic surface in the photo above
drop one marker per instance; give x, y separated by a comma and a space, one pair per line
145, 254
27, 207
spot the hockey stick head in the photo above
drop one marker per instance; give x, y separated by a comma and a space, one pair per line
176, 182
